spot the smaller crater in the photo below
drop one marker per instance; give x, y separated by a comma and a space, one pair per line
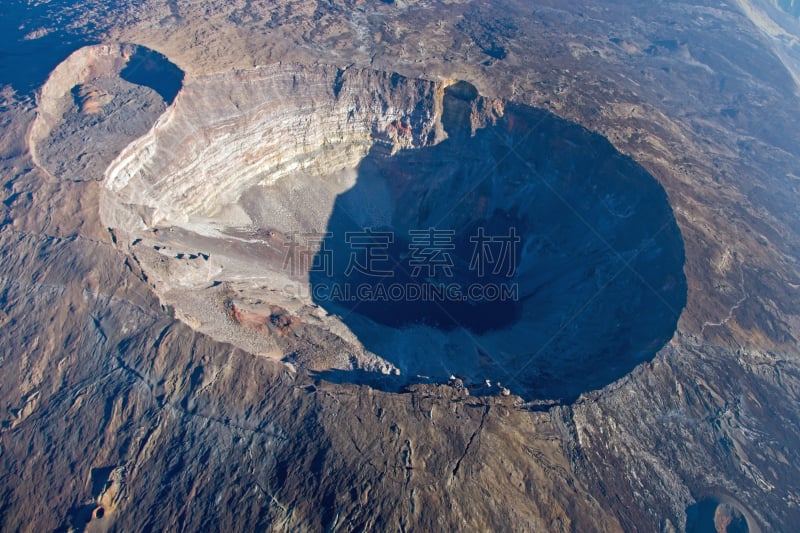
95, 103
717, 515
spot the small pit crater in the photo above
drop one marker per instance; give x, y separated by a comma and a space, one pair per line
718, 515
95, 103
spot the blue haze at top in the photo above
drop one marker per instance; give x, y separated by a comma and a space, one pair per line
25, 64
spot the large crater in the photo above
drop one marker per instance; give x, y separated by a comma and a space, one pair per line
362, 224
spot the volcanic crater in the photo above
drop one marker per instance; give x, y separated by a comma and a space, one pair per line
212, 199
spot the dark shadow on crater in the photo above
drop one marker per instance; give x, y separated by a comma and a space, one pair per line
107, 112
151, 69
596, 260
27, 58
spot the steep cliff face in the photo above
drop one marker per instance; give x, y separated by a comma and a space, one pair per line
228, 133
207, 198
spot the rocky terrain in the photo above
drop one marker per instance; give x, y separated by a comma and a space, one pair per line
122, 412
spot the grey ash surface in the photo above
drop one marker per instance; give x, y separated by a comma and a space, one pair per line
102, 118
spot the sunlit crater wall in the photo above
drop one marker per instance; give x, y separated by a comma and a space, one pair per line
226, 134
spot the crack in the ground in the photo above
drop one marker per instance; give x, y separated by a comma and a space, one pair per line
471, 440
732, 309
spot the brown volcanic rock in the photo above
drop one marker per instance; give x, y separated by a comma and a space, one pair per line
192, 425
211, 437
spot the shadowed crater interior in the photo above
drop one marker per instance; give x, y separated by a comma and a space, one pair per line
527, 252
150, 69
717, 514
